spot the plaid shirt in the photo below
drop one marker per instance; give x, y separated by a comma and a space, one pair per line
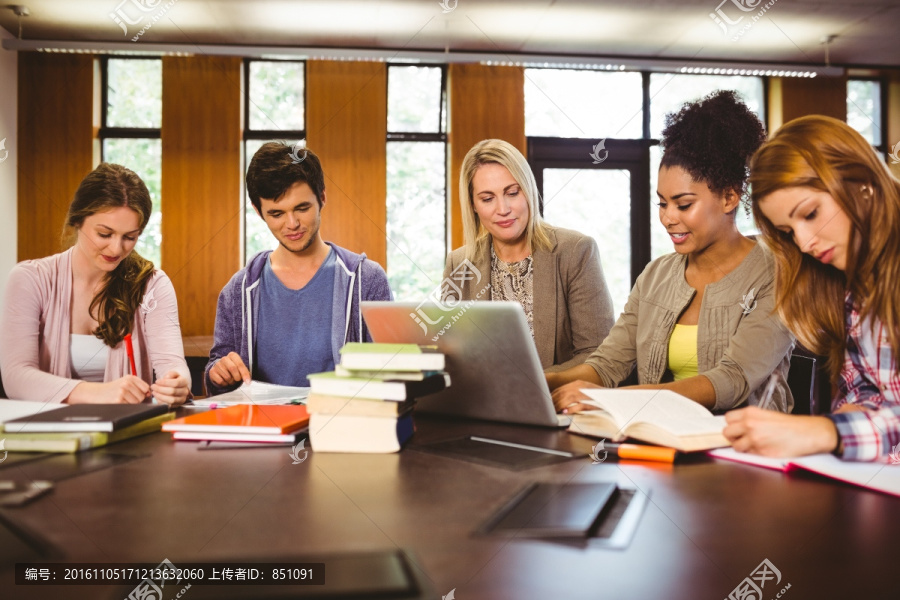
869, 379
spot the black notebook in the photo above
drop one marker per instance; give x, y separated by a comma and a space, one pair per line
551, 510
86, 418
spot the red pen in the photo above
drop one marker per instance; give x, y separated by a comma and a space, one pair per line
130, 350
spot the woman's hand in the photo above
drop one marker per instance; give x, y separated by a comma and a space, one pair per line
173, 389
124, 390
775, 434
568, 398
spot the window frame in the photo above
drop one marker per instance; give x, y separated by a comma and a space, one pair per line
272, 134
263, 135
410, 136
631, 154
106, 132
439, 136
883, 98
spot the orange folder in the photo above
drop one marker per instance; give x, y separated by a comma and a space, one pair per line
244, 418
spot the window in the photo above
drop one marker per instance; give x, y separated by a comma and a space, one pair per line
669, 92
416, 179
864, 112
606, 217
568, 112
130, 132
660, 242
275, 106
582, 104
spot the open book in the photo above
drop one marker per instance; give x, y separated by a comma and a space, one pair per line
659, 417
257, 392
875, 476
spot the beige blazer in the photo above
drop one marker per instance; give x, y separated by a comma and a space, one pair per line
741, 341
572, 306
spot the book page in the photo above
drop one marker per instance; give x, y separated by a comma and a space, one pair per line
663, 408
16, 409
258, 392
877, 476
779, 464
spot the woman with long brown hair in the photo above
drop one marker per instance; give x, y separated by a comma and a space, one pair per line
830, 210
66, 316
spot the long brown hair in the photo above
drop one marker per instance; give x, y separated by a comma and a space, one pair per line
107, 187
828, 155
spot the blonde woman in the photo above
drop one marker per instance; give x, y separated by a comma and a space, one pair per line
554, 273
830, 211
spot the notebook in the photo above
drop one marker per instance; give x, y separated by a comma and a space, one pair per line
874, 476
660, 417
360, 407
78, 441
370, 435
86, 418
244, 418
257, 438
16, 409
331, 384
567, 510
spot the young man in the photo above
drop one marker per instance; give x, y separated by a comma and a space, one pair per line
289, 311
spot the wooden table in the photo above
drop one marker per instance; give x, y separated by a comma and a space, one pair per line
707, 525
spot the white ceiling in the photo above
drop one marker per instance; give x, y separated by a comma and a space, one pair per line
790, 30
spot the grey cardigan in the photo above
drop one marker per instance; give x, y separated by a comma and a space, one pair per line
572, 307
740, 340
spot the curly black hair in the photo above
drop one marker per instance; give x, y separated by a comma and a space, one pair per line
713, 140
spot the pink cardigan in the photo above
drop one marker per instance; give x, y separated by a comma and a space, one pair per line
34, 335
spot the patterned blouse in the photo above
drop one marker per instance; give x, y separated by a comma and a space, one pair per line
514, 282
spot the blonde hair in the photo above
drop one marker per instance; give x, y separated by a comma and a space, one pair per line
828, 155
505, 155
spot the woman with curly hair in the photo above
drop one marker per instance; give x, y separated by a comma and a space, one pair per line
66, 316
699, 321
830, 210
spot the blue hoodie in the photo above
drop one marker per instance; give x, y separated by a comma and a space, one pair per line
355, 279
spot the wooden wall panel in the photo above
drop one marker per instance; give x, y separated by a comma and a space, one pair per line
485, 102
346, 115
893, 120
56, 144
201, 182
817, 96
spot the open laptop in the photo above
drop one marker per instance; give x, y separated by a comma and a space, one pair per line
495, 373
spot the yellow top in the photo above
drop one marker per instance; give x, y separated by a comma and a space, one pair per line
683, 352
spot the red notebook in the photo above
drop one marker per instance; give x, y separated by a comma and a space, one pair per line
244, 418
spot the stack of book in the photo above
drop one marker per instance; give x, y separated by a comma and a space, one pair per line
366, 403
77, 427
247, 423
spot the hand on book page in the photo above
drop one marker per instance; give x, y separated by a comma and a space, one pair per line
775, 434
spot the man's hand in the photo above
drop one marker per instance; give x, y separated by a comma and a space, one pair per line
229, 370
